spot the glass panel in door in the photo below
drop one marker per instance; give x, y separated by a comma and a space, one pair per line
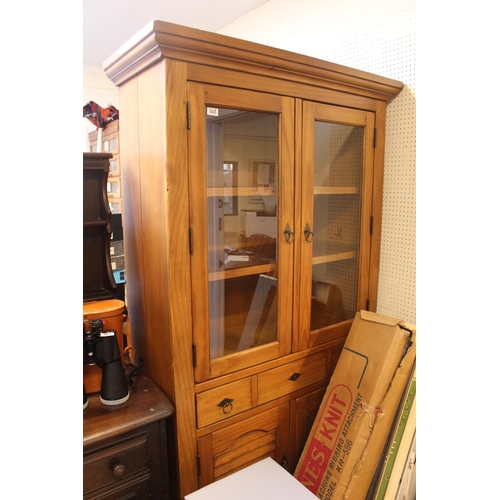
241, 179
338, 167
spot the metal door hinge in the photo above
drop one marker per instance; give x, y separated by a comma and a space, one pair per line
190, 236
188, 113
194, 355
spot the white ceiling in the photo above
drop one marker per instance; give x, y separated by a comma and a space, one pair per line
107, 24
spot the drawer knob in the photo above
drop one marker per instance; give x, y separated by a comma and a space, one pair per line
118, 471
227, 405
294, 377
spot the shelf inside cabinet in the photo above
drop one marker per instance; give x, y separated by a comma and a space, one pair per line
337, 252
336, 190
239, 269
239, 191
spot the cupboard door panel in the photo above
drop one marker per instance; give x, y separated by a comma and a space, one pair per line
303, 413
335, 219
242, 444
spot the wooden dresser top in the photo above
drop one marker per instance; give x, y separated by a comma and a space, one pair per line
146, 404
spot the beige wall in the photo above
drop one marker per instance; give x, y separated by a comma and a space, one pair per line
378, 37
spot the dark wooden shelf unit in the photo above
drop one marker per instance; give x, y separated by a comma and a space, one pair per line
98, 280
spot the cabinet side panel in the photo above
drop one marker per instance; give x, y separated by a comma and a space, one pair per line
152, 208
156, 222
131, 214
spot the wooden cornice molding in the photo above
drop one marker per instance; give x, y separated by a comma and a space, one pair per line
160, 40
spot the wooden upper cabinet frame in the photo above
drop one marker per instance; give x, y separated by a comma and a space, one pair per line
159, 40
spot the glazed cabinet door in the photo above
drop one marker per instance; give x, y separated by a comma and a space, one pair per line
239, 445
336, 178
241, 210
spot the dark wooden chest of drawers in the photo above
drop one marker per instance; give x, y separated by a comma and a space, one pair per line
125, 446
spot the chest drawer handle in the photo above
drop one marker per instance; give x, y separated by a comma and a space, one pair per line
227, 405
118, 471
294, 377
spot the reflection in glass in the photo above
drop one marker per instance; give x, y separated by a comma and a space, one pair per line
242, 176
338, 162
230, 180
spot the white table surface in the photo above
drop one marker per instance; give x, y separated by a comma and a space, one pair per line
264, 480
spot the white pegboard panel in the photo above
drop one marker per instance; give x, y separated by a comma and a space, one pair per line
388, 48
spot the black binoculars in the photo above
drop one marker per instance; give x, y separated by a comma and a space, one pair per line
101, 348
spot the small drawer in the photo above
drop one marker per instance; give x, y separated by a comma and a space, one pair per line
223, 402
115, 463
291, 377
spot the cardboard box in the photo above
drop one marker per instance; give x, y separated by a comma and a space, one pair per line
263, 480
359, 406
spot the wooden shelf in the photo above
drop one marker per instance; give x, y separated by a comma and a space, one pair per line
336, 190
239, 269
95, 223
240, 191
338, 252
334, 257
